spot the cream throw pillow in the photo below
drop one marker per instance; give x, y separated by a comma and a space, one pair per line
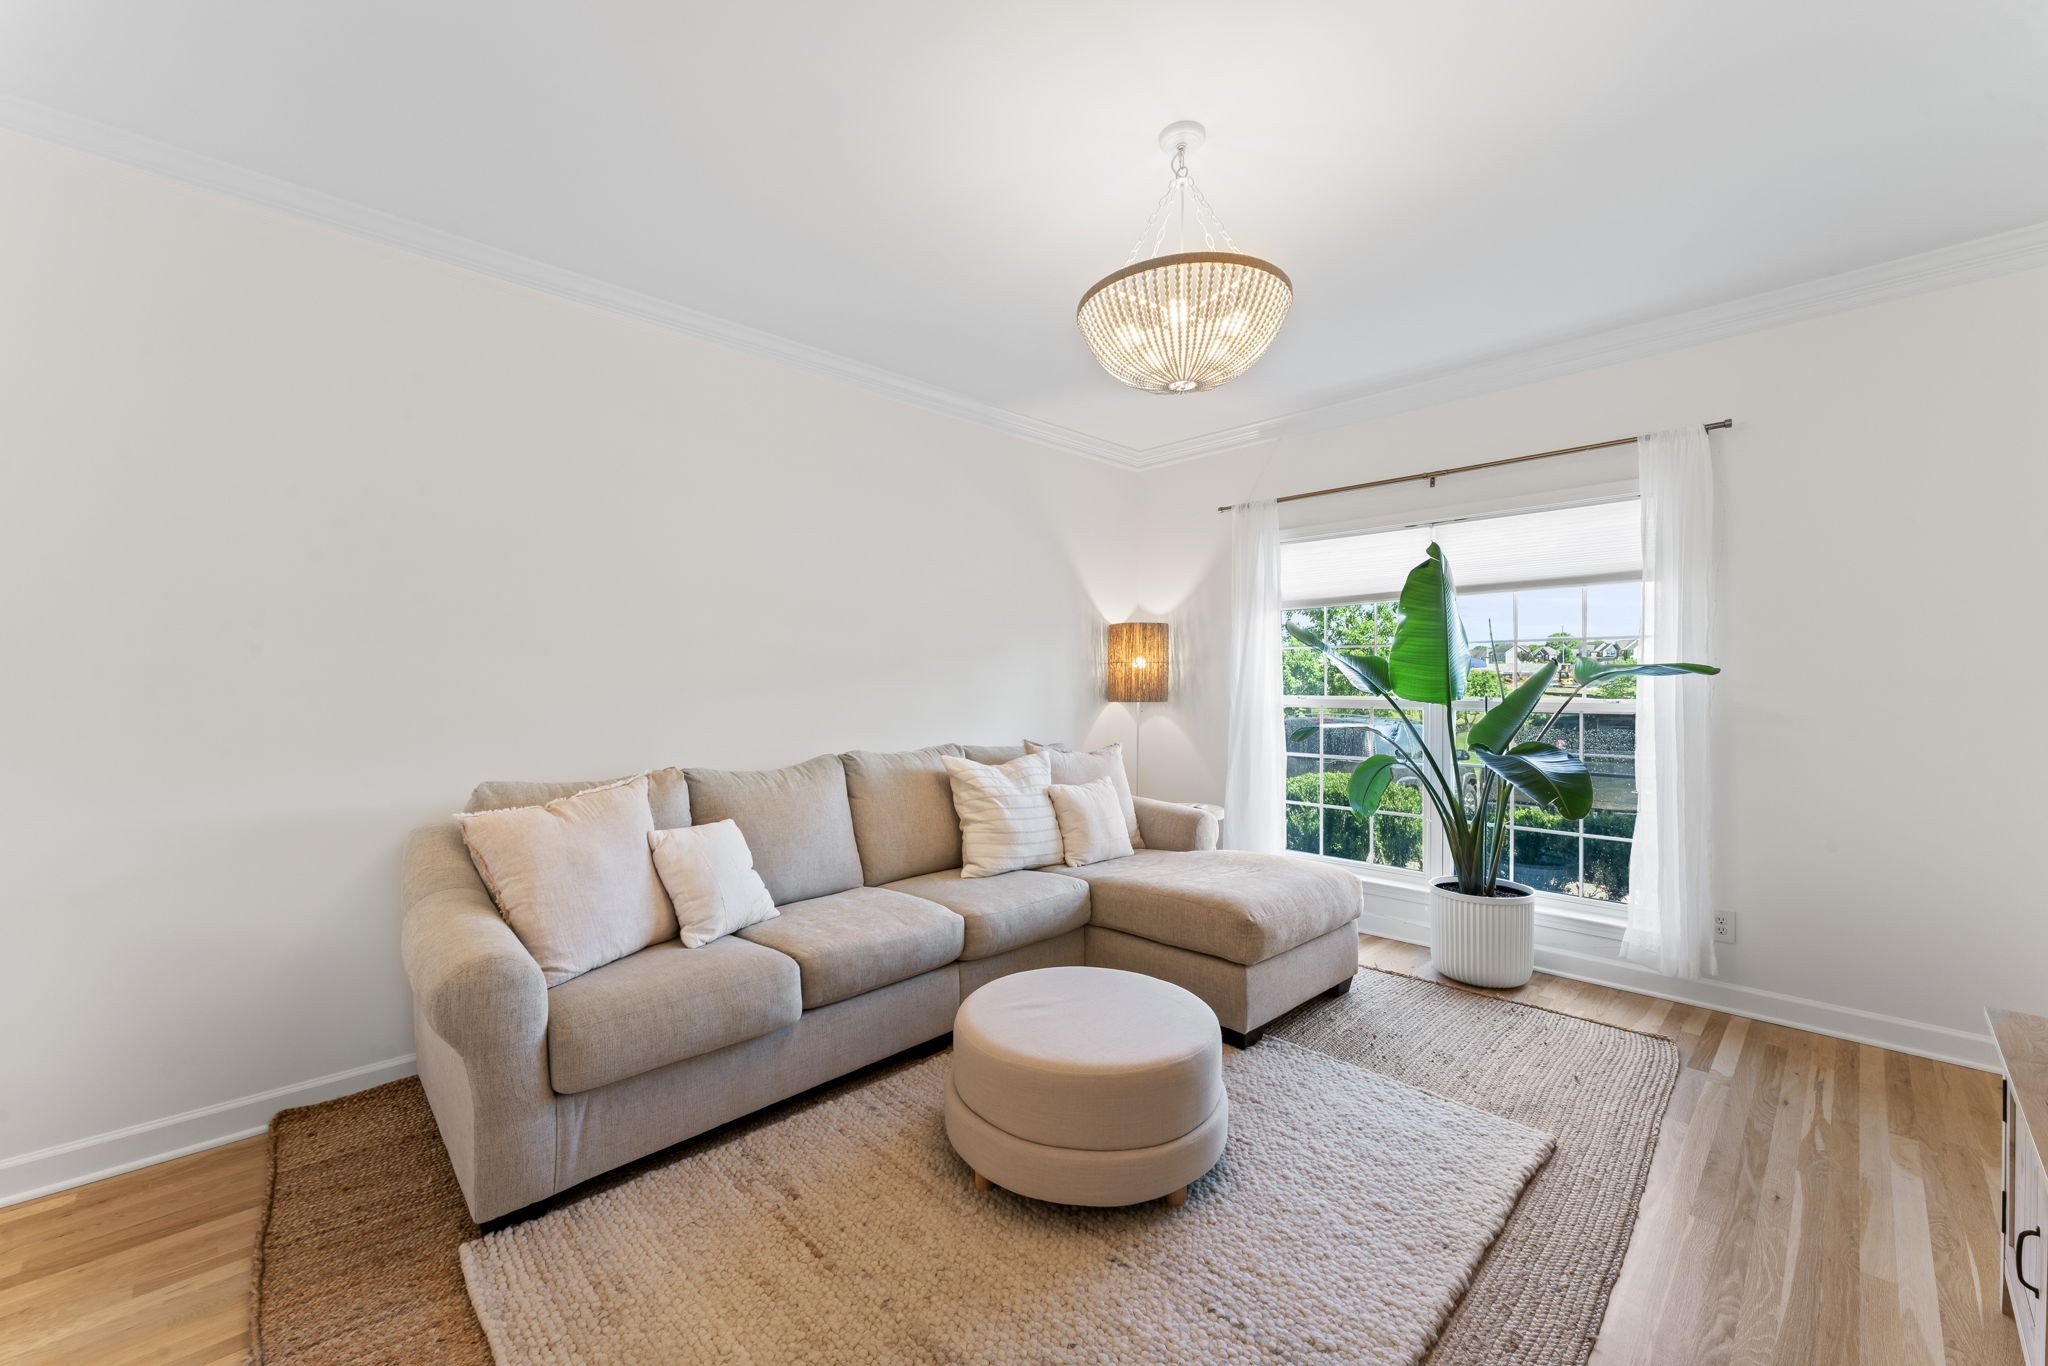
573, 878
1072, 767
709, 873
1006, 820
1091, 822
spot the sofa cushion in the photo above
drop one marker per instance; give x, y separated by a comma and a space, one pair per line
668, 795
858, 940
796, 821
903, 818
1237, 906
665, 1004
1006, 912
990, 754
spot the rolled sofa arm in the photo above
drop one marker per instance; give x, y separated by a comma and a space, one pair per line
480, 1025
1176, 826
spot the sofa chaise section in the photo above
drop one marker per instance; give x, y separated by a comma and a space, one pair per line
1253, 935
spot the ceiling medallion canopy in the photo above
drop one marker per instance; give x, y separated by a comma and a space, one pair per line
1185, 320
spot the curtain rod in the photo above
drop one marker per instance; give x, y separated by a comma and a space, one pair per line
1433, 475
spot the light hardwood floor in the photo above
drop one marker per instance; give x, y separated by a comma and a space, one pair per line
1812, 1201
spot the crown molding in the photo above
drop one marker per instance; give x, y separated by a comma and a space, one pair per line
1980, 259
148, 154
1983, 258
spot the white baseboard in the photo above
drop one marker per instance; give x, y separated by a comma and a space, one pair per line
159, 1140
1593, 958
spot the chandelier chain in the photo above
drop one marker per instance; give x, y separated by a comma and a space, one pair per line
1146, 231
1181, 186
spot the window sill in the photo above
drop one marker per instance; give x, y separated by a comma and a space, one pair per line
1552, 911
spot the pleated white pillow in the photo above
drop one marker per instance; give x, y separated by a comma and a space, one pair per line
1006, 820
709, 873
1091, 821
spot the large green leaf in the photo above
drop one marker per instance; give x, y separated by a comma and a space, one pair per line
1644, 671
1428, 658
1306, 636
1547, 777
1367, 673
1369, 783
1496, 730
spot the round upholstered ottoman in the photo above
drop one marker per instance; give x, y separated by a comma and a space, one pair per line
1087, 1086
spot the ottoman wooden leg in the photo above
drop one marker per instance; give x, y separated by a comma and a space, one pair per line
982, 1183
1178, 1198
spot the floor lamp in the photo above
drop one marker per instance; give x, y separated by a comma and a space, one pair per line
1137, 674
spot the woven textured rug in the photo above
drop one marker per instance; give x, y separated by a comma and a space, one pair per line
358, 1260
1599, 1091
1341, 1225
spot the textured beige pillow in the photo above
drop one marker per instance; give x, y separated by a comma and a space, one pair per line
574, 878
1091, 822
1006, 820
1071, 767
709, 873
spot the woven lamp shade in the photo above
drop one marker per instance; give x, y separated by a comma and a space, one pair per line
1137, 661
1185, 322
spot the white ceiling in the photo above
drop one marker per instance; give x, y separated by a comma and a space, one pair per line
926, 186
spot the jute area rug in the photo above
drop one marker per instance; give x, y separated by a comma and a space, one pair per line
1599, 1091
358, 1260
1341, 1225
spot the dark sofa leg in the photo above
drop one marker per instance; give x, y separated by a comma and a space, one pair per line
1245, 1040
1341, 989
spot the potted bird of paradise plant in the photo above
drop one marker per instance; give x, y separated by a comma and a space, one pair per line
1482, 925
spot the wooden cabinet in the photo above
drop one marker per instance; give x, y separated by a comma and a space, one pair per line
2023, 1202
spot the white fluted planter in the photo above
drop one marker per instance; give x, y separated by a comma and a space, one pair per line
1483, 941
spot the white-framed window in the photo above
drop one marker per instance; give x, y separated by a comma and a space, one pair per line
1561, 586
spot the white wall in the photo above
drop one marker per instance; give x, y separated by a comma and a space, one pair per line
302, 536
1880, 494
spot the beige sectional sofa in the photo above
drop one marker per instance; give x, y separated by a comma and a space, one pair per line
877, 941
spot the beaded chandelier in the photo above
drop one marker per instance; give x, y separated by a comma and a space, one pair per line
1183, 321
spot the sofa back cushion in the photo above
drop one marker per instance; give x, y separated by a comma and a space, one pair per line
574, 878
990, 754
668, 795
796, 821
903, 819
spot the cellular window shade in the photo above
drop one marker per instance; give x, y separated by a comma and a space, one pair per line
1591, 544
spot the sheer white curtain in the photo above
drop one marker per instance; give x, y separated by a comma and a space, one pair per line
1670, 908
1254, 788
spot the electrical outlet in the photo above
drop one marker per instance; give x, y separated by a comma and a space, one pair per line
1724, 927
